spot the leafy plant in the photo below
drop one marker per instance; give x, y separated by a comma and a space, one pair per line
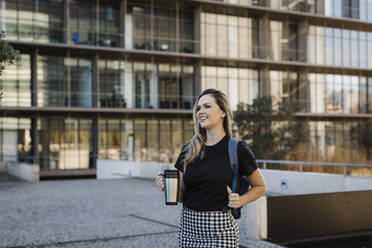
362, 133
270, 131
7, 54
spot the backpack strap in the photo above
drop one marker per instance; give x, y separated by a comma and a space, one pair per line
233, 157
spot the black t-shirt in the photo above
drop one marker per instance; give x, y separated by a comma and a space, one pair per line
206, 180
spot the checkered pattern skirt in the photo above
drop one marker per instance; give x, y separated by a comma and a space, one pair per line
207, 229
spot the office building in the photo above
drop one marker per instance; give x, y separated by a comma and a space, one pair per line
117, 79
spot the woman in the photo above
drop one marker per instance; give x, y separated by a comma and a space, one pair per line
206, 177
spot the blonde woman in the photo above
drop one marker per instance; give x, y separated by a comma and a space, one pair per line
206, 177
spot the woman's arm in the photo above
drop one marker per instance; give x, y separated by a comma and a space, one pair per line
181, 188
256, 191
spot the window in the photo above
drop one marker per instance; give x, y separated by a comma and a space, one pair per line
162, 29
34, 20
350, 8
15, 140
92, 24
112, 84
228, 36
15, 83
65, 143
64, 82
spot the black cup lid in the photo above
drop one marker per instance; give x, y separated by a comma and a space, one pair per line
171, 173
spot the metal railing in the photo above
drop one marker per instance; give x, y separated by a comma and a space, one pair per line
263, 163
300, 164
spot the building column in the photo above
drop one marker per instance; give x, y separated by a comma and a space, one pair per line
68, 80
264, 79
303, 34
151, 26
95, 143
265, 3
96, 42
35, 139
34, 89
154, 88
128, 28
95, 81
66, 15
2, 16
320, 7
263, 52
197, 31
264, 37
178, 41
197, 78
122, 14
303, 83
303, 92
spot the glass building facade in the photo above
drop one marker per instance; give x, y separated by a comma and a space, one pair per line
143, 139
339, 47
15, 139
64, 143
355, 9
117, 79
229, 36
33, 20
161, 29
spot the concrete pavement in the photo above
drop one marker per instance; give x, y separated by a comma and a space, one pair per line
88, 213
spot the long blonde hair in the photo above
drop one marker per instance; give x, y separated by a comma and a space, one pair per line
195, 145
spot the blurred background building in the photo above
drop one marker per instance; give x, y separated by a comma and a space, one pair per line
117, 79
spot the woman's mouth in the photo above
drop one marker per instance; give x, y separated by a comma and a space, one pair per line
202, 119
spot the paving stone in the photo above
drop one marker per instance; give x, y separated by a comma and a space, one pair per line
89, 213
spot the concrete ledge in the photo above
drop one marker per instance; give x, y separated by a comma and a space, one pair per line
253, 221
119, 169
293, 182
277, 181
27, 172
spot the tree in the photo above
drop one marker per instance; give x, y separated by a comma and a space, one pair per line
7, 55
270, 131
362, 133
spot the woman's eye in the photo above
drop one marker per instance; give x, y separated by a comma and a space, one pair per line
198, 108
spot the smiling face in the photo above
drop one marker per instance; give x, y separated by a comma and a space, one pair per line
209, 113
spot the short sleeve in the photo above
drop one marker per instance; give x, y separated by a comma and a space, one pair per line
181, 156
246, 159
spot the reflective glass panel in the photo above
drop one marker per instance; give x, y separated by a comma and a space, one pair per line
15, 83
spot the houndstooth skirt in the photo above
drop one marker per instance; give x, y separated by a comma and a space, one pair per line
207, 229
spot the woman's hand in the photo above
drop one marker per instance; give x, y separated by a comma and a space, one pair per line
234, 199
159, 181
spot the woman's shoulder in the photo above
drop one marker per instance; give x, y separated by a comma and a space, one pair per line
184, 148
246, 158
242, 143
181, 156
243, 148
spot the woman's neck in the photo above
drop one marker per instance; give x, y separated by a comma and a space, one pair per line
214, 137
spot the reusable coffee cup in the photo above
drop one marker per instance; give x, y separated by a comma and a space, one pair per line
171, 180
